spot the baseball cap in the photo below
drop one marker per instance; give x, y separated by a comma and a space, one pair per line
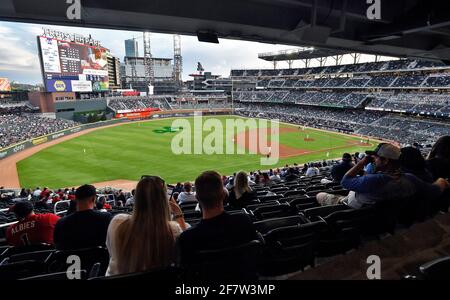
386, 150
346, 156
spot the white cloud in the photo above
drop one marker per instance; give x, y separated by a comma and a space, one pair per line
19, 54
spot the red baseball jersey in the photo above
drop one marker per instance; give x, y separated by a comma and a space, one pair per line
33, 229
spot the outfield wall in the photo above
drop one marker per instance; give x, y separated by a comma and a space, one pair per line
11, 150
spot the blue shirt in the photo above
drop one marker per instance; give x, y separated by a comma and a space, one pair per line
371, 188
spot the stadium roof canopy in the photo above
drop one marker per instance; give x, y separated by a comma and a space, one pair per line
413, 28
301, 53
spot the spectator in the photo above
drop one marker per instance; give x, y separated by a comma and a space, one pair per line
438, 161
187, 194
387, 184
338, 171
312, 171
86, 227
217, 228
130, 201
412, 161
275, 177
37, 192
265, 181
241, 194
121, 198
178, 188
32, 228
290, 176
175, 196
101, 204
23, 193
145, 239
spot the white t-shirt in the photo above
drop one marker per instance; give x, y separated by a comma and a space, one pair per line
111, 242
185, 196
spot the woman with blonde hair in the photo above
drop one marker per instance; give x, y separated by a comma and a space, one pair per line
146, 238
241, 194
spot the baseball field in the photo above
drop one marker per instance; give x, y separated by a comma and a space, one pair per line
128, 151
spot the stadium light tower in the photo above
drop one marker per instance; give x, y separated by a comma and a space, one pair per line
148, 61
177, 59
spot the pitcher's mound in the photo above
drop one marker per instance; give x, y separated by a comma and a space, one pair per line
309, 139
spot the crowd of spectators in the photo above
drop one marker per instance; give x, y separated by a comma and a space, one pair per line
15, 128
403, 129
157, 231
136, 103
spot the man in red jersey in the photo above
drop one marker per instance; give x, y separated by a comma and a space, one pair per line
32, 228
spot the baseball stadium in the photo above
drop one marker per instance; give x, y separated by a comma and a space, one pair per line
330, 163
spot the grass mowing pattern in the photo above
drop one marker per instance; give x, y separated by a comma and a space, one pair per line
131, 150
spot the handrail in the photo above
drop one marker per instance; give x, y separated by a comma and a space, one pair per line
57, 203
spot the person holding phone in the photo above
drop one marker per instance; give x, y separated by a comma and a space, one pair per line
387, 183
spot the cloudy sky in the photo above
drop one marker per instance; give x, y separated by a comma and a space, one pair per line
19, 59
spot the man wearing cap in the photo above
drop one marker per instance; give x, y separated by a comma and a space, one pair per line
385, 184
32, 228
338, 171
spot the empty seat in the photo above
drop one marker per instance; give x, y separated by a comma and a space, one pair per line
82, 274
163, 273
24, 249
266, 225
289, 249
35, 255
269, 198
57, 262
323, 211
294, 193
188, 203
303, 203
268, 203
272, 211
344, 231
21, 269
229, 263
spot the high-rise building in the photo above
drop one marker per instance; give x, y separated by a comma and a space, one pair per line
113, 72
131, 48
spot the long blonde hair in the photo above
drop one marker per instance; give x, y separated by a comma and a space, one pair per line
146, 239
241, 184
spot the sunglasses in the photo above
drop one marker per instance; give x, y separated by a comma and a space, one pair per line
153, 178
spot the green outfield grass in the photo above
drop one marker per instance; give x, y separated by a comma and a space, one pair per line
134, 149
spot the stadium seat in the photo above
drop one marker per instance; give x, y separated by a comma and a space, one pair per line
188, 203
303, 203
24, 249
35, 255
167, 273
59, 276
289, 249
438, 269
252, 207
294, 193
272, 211
269, 198
343, 233
22, 269
322, 211
267, 225
235, 263
57, 262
